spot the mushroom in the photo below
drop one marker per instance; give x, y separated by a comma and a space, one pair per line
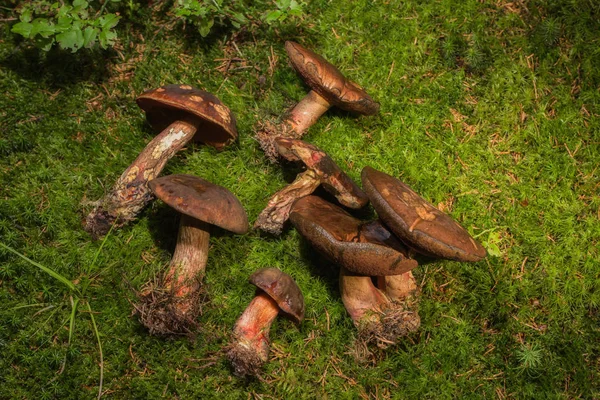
382, 311
366, 248
173, 306
276, 292
321, 170
416, 222
180, 113
329, 88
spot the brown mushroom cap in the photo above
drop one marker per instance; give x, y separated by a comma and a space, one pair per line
329, 82
202, 200
417, 222
214, 121
283, 289
363, 248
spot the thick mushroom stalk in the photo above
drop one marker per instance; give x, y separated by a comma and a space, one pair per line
130, 194
172, 306
329, 88
383, 313
276, 292
180, 113
250, 348
321, 170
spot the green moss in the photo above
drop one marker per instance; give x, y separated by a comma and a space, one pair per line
488, 107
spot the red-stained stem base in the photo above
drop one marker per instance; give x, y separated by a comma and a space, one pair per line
131, 193
251, 335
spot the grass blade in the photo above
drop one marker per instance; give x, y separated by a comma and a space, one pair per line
47, 270
99, 349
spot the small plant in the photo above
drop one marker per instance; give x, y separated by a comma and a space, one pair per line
285, 10
72, 26
204, 14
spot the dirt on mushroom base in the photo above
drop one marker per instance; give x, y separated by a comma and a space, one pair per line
245, 360
166, 314
386, 327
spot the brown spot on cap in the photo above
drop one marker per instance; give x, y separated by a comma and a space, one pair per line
363, 248
329, 82
283, 289
203, 200
417, 222
216, 125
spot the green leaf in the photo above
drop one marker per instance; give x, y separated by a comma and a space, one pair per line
109, 21
23, 29
79, 4
72, 39
491, 244
205, 26
25, 15
283, 4
272, 16
89, 36
106, 38
42, 27
64, 24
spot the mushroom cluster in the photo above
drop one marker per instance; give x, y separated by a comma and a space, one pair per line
375, 258
280, 141
376, 282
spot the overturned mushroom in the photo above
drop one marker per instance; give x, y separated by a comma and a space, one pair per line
276, 292
320, 170
173, 306
384, 311
329, 88
365, 248
416, 222
180, 113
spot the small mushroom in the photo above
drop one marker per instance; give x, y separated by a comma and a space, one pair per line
321, 170
329, 88
276, 292
173, 306
416, 222
179, 113
384, 311
365, 248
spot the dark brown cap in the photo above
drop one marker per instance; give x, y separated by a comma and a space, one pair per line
329, 82
283, 289
333, 179
202, 200
417, 222
363, 248
215, 123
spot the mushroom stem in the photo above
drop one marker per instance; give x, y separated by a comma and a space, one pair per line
131, 193
277, 211
173, 306
305, 114
361, 298
382, 314
251, 335
294, 125
188, 264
